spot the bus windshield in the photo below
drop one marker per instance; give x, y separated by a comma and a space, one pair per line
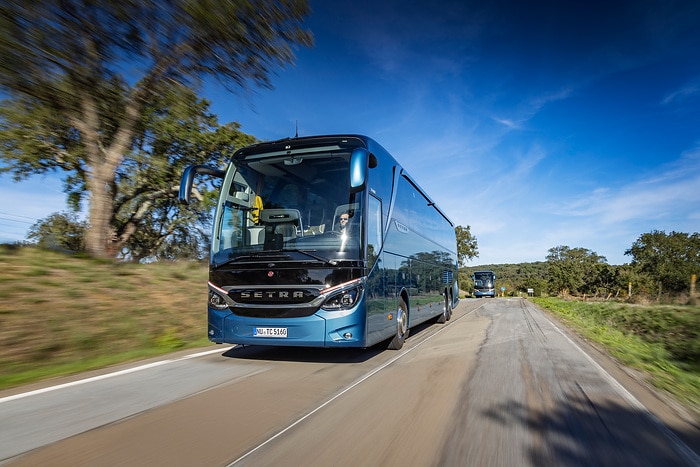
483, 279
293, 201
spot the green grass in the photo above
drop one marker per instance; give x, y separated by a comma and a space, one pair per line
663, 341
62, 314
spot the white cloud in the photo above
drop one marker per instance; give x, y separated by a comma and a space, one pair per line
670, 193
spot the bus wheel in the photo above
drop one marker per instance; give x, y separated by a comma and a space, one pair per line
449, 308
401, 326
445, 312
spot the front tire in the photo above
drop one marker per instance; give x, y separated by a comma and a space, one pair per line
401, 326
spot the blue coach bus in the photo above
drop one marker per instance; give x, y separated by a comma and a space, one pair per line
324, 241
484, 284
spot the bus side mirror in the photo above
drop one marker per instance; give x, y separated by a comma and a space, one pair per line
187, 179
360, 161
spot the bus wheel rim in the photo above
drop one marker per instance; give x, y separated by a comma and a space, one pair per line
402, 319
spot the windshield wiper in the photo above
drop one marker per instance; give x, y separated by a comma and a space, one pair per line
332, 262
255, 257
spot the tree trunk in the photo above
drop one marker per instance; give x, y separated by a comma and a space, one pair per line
101, 168
98, 239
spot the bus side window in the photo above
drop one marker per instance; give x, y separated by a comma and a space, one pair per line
374, 228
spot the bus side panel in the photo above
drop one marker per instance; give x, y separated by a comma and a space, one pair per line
419, 235
379, 327
422, 280
427, 300
381, 321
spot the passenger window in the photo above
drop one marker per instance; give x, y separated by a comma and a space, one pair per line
374, 226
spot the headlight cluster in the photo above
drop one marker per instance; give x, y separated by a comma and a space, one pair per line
216, 301
343, 300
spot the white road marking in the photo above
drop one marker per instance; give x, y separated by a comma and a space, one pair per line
344, 391
112, 375
690, 456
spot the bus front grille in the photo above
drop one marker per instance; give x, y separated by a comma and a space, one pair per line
276, 312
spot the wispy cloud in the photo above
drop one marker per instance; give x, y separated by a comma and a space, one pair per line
531, 106
688, 91
539, 101
509, 123
666, 194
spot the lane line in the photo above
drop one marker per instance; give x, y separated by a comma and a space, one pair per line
347, 389
112, 375
685, 451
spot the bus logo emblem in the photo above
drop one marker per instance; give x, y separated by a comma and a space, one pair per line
400, 227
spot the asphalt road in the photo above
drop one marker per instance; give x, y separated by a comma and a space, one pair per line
501, 384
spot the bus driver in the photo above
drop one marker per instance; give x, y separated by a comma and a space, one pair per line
343, 223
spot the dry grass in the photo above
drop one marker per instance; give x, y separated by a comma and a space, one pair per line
61, 313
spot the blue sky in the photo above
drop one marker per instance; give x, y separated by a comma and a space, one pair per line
538, 124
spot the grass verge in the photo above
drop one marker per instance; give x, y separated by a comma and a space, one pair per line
662, 341
63, 314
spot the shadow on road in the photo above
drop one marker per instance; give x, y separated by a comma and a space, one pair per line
318, 355
302, 354
575, 433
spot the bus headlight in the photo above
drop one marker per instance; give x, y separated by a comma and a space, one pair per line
216, 301
343, 300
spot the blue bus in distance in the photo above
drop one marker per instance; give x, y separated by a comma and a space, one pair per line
324, 241
484, 284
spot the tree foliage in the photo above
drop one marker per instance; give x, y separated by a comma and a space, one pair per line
671, 259
81, 76
177, 130
467, 246
574, 270
59, 231
658, 258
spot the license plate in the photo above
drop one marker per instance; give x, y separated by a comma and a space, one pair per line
270, 332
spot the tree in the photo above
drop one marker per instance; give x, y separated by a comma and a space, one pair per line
80, 73
574, 270
641, 283
669, 259
59, 231
467, 247
177, 130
